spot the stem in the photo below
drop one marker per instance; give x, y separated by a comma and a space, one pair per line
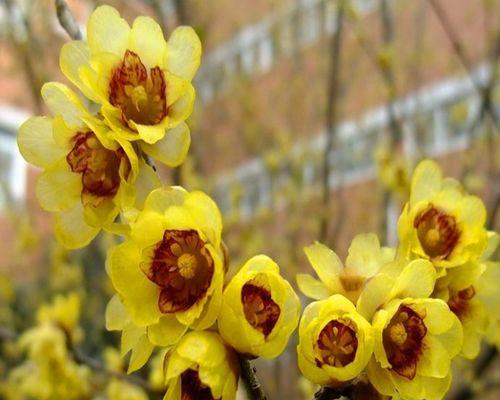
250, 379
331, 122
67, 20
327, 393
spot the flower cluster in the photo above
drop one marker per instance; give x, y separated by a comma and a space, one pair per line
169, 270
396, 318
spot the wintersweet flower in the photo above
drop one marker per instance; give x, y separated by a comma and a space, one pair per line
364, 260
260, 310
49, 372
141, 81
63, 311
87, 177
468, 292
169, 272
335, 342
441, 222
200, 366
415, 336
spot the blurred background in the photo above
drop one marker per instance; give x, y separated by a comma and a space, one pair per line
310, 116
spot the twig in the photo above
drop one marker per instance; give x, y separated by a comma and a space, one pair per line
67, 20
327, 393
459, 50
331, 122
250, 379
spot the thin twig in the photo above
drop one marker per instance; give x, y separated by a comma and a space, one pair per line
67, 20
331, 126
328, 393
250, 379
459, 50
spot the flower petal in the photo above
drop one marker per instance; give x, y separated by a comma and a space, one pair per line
166, 332
116, 315
325, 262
107, 32
61, 100
71, 230
312, 287
36, 142
140, 354
172, 149
426, 181
146, 39
183, 52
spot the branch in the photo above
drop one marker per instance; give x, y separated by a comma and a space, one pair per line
459, 50
331, 122
327, 393
67, 20
250, 379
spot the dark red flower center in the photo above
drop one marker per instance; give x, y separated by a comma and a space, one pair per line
437, 232
459, 302
182, 267
403, 341
260, 310
192, 388
99, 167
337, 344
140, 95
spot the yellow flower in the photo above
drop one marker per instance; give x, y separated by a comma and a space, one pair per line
87, 177
393, 171
141, 81
441, 222
364, 260
120, 389
64, 311
50, 372
335, 342
169, 272
260, 310
200, 366
415, 336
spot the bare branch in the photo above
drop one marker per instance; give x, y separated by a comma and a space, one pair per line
250, 379
67, 20
331, 124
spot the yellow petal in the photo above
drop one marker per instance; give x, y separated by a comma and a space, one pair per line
374, 295
58, 188
325, 262
70, 228
311, 287
73, 58
166, 332
183, 52
139, 294
61, 100
426, 181
116, 315
147, 181
107, 32
182, 108
36, 142
417, 280
205, 212
162, 198
150, 133
146, 39
140, 354
130, 337
365, 255
172, 149
434, 360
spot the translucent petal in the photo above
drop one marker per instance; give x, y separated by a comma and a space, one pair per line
325, 262
107, 32
172, 149
312, 287
183, 52
70, 228
146, 39
36, 142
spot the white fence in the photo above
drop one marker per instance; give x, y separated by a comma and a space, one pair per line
352, 160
